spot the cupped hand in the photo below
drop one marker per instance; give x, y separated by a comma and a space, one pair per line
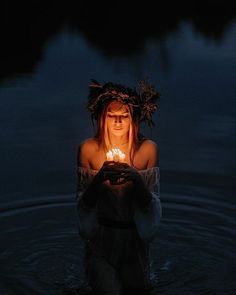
129, 173
117, 173
110, 170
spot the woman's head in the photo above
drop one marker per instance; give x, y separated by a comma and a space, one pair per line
119, 110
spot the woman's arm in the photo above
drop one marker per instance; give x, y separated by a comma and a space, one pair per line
87, 217
147, 218
150, 149
148, 211
89, 195
148, 152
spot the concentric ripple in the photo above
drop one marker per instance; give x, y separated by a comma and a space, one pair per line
194, 253
195, 249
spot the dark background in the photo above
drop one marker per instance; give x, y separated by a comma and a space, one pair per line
181, 46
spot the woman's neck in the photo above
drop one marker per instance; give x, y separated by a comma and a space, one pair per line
122, 141
119, 145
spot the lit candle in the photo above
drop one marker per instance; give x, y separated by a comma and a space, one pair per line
115, 154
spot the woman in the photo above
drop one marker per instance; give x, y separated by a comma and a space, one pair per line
118, 194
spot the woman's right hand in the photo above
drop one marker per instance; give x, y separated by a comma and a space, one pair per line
110, 170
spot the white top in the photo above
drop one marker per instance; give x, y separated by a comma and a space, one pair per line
146, 219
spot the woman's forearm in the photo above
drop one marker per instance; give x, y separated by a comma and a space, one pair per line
144, 196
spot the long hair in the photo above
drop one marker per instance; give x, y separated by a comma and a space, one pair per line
134, 138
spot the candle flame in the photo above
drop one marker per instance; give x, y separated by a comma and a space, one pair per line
115, 154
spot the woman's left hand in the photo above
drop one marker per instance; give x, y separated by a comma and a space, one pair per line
128, 173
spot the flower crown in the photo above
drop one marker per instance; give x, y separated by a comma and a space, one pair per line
142, 100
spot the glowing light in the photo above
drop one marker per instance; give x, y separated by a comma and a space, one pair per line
115, 154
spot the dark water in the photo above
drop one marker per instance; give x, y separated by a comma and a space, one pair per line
194, 251
43, 120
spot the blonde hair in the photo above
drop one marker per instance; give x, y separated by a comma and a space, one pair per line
102, 132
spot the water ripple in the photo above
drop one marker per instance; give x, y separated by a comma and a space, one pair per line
194, 252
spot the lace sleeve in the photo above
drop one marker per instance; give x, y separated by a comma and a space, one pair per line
84, 178
147, 219
87, 217
151, 178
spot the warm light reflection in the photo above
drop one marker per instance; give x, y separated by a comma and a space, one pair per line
115, 154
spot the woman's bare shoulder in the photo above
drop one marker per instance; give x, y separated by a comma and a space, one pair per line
148, 144
149, 148
86, 149
89, 143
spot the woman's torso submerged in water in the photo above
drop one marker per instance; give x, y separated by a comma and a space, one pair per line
119, 243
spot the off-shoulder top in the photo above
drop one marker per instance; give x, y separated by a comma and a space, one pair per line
146, 219
150, 176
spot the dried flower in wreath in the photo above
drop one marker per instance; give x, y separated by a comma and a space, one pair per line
143, 100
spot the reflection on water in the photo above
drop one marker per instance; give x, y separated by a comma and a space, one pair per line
194, 252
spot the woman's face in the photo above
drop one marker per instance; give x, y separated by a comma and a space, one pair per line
118, 118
